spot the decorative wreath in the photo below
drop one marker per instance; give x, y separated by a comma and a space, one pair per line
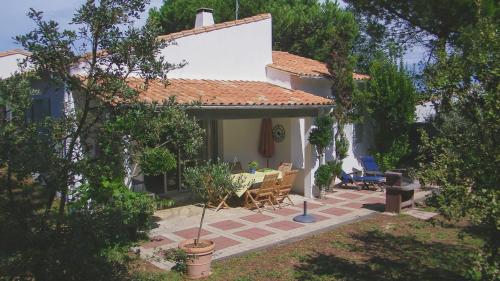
278, 133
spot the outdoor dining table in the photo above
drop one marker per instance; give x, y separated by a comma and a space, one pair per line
249, 180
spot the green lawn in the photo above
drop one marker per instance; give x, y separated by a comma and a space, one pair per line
381, 248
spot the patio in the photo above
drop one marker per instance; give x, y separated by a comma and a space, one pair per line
238, 230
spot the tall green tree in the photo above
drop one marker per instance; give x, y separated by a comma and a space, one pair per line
340, 64
463, 156
80, 220
389, 101
408, 23
300, 27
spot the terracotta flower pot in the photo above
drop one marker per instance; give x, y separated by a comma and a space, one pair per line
199, 258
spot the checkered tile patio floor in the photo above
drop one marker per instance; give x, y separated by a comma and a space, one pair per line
237, 230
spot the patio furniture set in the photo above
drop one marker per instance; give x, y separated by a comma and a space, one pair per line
272, 187
261, 188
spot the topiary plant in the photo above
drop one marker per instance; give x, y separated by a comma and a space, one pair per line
321, 136
323, 176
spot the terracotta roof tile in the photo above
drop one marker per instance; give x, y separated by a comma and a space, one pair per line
14, 52
226, 93
303, 66
176, 35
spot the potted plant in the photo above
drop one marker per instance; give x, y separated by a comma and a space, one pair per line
322, 178
336, 166
321, 135
210, 182
252, 167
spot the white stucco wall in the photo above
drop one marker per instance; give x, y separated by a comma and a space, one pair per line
9, 65
236, 53
278, 77
241, 142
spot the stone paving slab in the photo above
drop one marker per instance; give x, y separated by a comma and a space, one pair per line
237, 230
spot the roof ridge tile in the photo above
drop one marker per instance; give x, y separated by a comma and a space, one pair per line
217, 26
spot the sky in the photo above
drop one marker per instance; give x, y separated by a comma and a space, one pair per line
14, 21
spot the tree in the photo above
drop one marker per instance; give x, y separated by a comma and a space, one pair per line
73, 224
463, 156
211, 182
428, 23
300, 27
340, 64
389, 100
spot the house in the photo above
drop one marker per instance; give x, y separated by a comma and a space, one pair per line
239, 80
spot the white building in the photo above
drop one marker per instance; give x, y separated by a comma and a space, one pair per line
239, 80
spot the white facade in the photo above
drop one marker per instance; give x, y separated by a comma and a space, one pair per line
239, 52
243, 52
359, 135
10, 64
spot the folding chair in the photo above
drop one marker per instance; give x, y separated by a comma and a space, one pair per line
284, 187
285, 167
262, 195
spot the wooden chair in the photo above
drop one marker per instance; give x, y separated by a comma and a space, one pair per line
236, 168
262, 195
284, 187
285, 167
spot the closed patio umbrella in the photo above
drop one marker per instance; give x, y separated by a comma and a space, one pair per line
266, 143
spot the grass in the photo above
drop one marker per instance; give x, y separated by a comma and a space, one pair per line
381, 248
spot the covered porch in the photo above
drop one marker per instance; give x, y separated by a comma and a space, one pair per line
231, 113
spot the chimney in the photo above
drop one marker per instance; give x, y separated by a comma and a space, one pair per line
204, 17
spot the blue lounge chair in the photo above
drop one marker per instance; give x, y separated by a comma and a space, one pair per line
370, 166
360, 181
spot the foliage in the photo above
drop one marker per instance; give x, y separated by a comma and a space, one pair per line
404, 24
398, 151
463, 157
341, 146
300, 27
322, 176
325, 173
178, 257
389, 103
253, 165
164, 203
156, 161
211, 182
91, 245
321, 135
83, 218
155, 132
340, 64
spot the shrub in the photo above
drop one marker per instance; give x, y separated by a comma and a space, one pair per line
157, 161
164, 203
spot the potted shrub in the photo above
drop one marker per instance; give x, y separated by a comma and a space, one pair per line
322, 178
321, 135
325, 175
210, 182
336, 166
252, 167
